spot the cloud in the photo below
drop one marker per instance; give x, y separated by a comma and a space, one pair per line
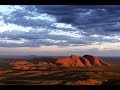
63, 26
85, 24
29, 19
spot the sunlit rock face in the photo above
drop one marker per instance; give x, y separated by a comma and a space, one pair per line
64, 61
93, 60
73, 60
76, 60
85, 61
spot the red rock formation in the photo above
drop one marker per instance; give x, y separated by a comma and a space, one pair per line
76, 61
85, 61
64, 61
93, 60
16, 67
23, 65
51, 64
73, 60
43, 63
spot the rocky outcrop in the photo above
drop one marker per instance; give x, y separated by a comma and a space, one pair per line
64, 62
85, 61
73, 60
76, 61
93, 60
44, 63
23, 65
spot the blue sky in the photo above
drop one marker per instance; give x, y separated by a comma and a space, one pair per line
60, 30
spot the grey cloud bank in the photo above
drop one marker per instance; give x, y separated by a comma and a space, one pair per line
85, 20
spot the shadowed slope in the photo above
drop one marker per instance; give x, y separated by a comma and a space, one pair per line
85, 61
104, 63
93, 60
76, 60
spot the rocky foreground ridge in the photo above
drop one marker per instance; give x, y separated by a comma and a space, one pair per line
73, 60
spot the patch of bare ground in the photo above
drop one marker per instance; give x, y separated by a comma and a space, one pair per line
5, 71
84, 82
111, 82
44, 75
38, 74
33, 82
47, 82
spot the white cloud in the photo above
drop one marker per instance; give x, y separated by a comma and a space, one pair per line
63, 25
71, 34
41, 17
113, 37
12, 41
11, 27
7, 9
95, 35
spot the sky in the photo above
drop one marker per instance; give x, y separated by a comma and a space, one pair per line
60, 30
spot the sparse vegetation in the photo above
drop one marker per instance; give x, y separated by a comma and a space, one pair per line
59, 75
